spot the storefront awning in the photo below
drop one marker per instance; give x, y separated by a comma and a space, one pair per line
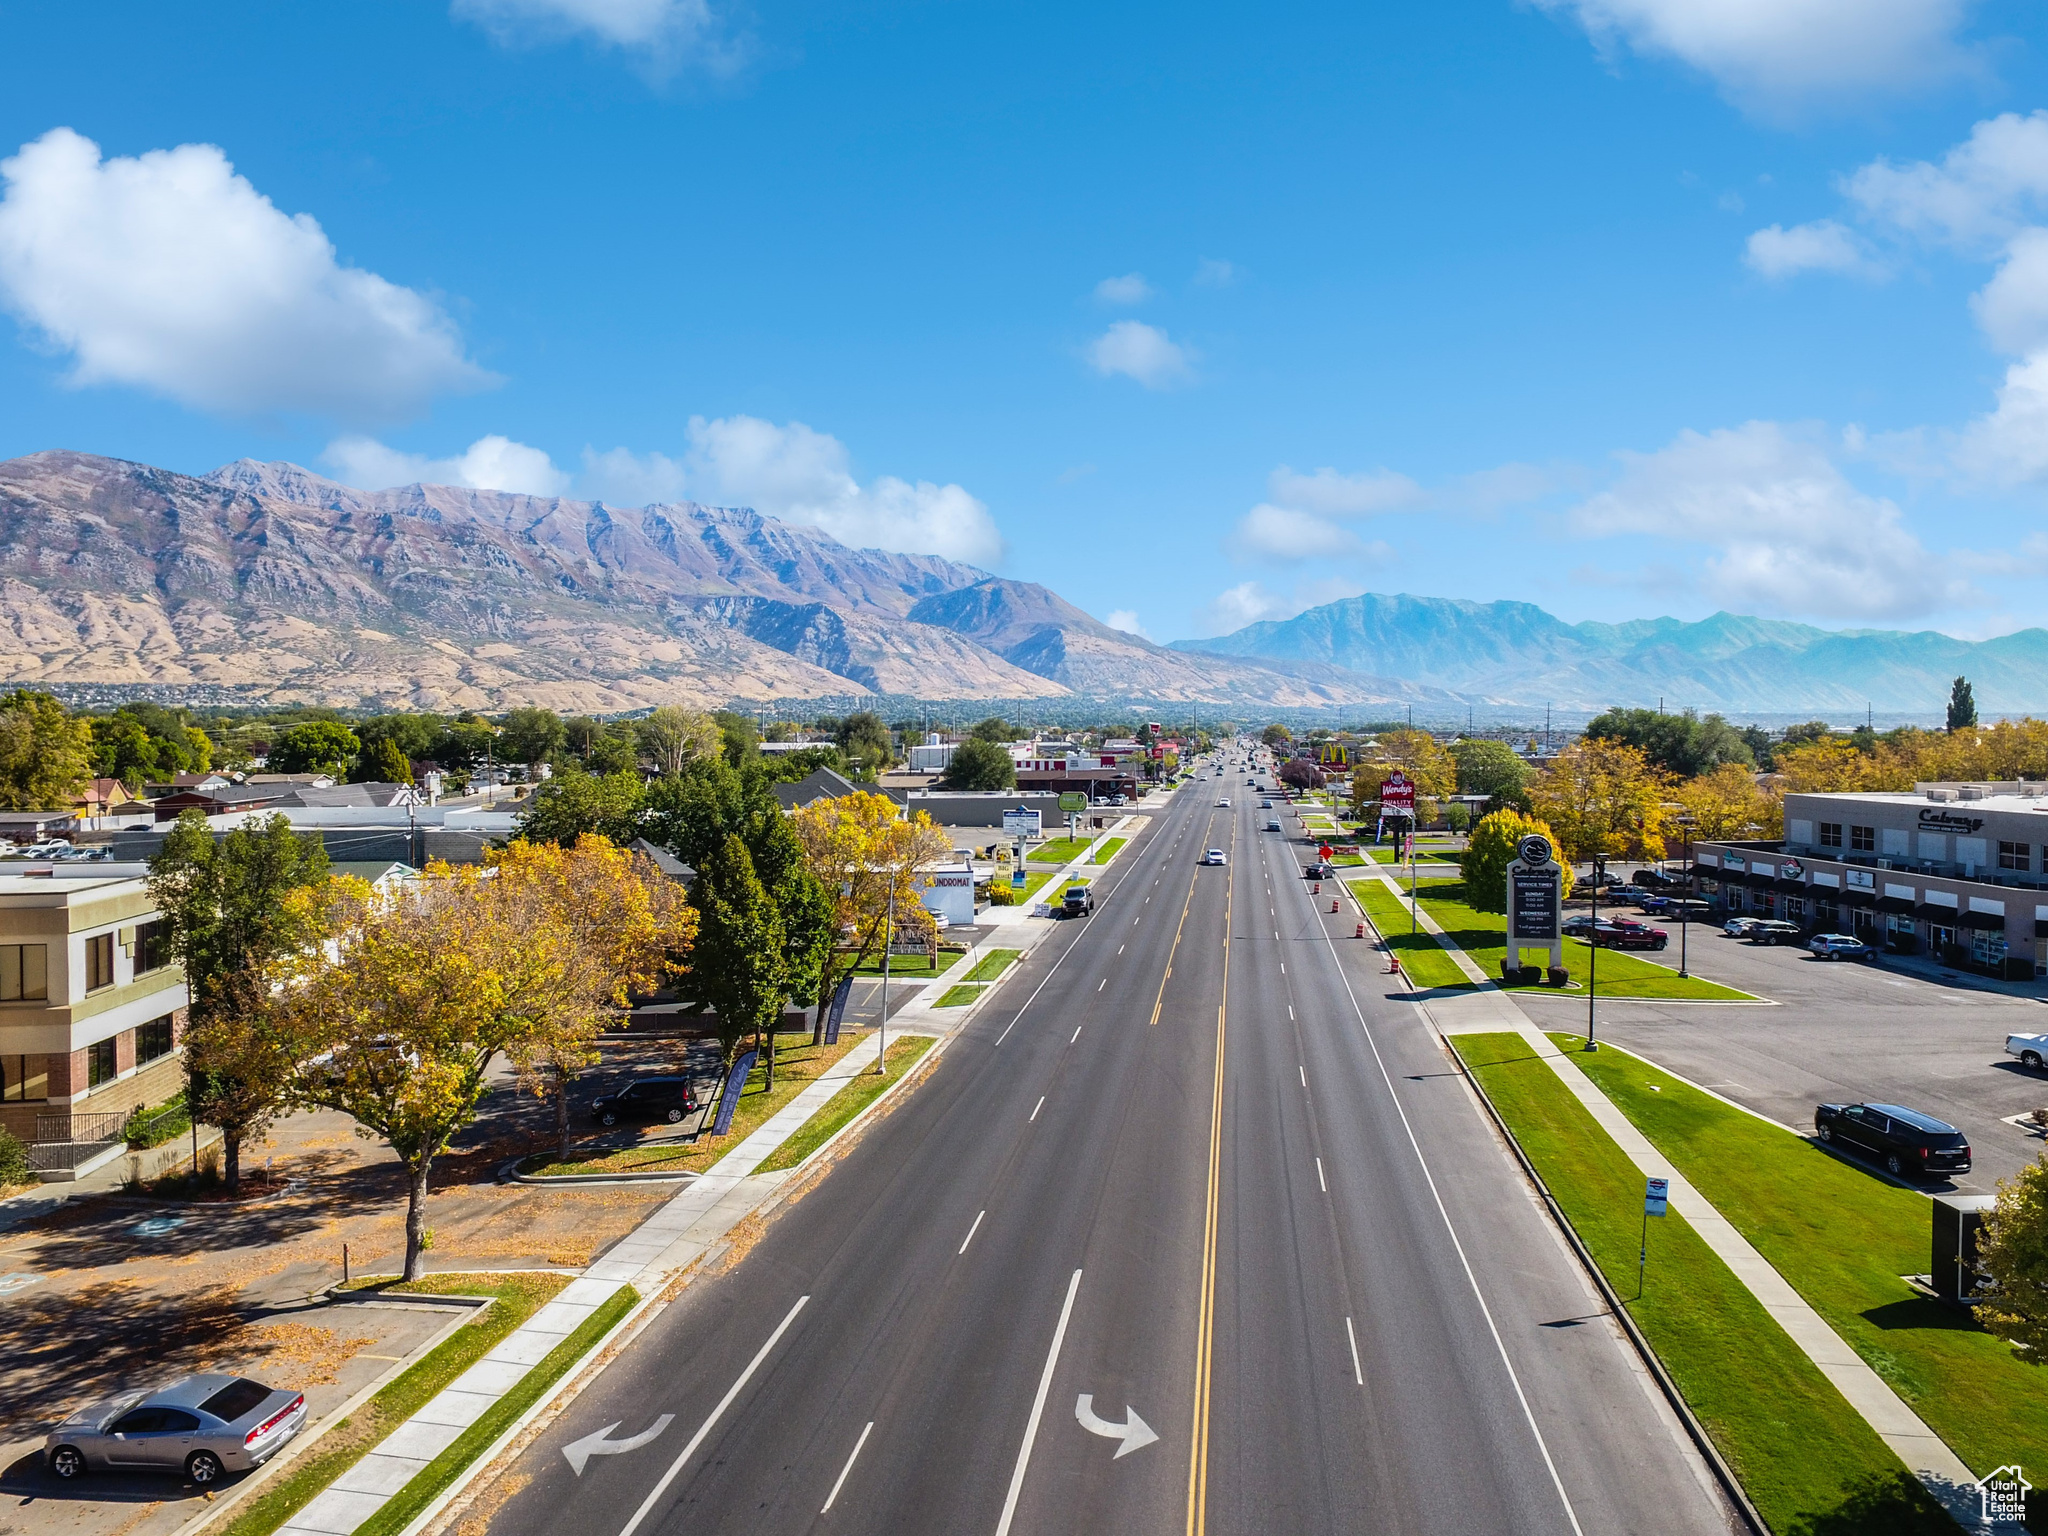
1899, 904
1856, 896
1760, 880
1992, 921
1930, 912
2041, 927
1792, 887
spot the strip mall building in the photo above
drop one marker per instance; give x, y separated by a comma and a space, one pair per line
1958, 872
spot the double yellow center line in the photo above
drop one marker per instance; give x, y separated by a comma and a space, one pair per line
1205, 1322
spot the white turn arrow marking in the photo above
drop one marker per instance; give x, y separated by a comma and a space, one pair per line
579, 1452
1134, 1431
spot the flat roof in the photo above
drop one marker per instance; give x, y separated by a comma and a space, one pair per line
1905, 798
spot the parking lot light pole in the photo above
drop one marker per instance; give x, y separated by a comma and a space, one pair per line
1593, 955
1685, 823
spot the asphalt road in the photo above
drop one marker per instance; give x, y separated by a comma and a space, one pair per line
1196, 1166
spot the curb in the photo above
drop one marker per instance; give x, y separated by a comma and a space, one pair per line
508, 1173
1696, 1431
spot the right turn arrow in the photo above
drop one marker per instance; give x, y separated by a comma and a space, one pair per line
1134, 1431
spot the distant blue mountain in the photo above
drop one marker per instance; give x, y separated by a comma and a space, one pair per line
1515, 653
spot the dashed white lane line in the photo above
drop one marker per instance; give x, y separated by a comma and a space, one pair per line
1102, 983
1304, 1073
1035, 1109
1357, 1371
1076, 1035
1290, 1010
970, 1233
1319, 1176
863, 1440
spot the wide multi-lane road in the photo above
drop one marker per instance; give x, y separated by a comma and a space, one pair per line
1194, 1230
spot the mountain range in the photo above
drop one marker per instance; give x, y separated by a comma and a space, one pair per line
1509, 653
285, 587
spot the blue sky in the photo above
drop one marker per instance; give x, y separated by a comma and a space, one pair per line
1197, 314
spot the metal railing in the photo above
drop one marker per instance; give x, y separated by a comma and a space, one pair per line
88, 1128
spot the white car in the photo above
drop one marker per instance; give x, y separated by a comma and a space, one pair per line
2032, 1050
1738, 927
1223, 803
1214, 856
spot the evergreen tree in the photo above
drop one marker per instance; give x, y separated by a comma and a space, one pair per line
737, 966
1962, 706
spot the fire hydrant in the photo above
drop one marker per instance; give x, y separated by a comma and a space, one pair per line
1361, 932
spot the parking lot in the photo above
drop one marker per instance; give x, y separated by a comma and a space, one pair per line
1842, 1032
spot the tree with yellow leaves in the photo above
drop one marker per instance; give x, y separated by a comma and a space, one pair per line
1603, 799
870, 861
1730, 803
399, 1018
1428, 766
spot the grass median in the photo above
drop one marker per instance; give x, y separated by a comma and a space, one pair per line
849, 1101
987, 969
433, 1479
1060, 850
1108, 849
1425, 960
515, 1298
1841, 1236
1483, 936
1806, 1458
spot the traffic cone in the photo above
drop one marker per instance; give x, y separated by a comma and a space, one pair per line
1393, 965
1333, 903
1361, 932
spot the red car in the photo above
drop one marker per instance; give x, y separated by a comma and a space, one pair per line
1617, 932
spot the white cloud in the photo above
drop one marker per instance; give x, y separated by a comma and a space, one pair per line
629, 479
1211, 273
2010, 444
1248, 602
805, 476
490, 463
1281, 533
1791, 534
1822, 246
664, 33
1126, 619
1141, 352
1131, 288
2013, 306
1981, 193
169, 272
1774, 56
1332, 494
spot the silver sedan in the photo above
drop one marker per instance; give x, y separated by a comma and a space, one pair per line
203, 1426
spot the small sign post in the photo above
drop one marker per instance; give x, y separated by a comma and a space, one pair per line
1656, 1194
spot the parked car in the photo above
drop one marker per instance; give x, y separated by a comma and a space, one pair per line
204, 1426
1214, 856
1625, 892
1653, 904
1839, 946
1907, 1142
1623, 934
1078, 901
1738, 927
1772, 931
2032, 1050
644, 1099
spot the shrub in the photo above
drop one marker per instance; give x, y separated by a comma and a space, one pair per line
14, 1168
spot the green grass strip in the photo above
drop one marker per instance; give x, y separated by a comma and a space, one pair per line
1842, 1237
849, 1101
958, 997
1806, 1458
1483, 936
1422, 957
517, 1297
992, 964
1108, 849
912, 967
1060, 850
406, 1504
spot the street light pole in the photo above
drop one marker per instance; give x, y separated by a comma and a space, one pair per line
1593, 956
1685, 901
888, 943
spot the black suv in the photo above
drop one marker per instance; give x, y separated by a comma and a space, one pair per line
646, 1098
1907, 1142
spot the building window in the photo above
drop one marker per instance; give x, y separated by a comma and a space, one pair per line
99, 961
24, 973
1987, 946
1863, 839
2015, 855
100, 1065
1831, 834
153, 1040
24, 1077
152, 947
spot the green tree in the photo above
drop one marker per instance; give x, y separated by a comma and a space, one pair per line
1492, 849
737, 966
531, 736
1682, 744
603, 748
788, 767
671, 736
317, 746
381, 762
413, 734
45, 753
742, 738
2013, 1248
1493, 769
1276, 736
230, 923
466, 743
1962, 706
996, 729
979, 764
574, 803
866, 741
